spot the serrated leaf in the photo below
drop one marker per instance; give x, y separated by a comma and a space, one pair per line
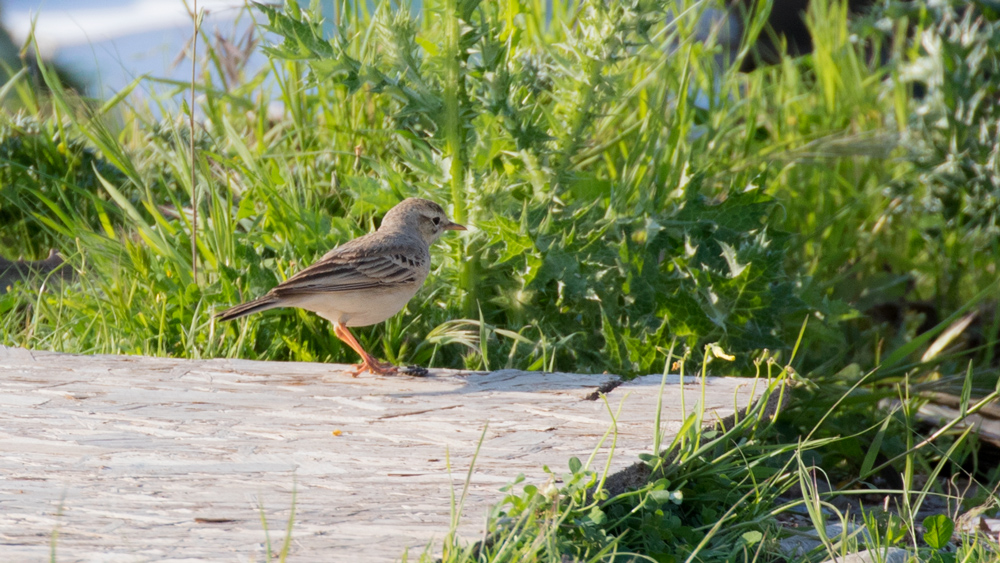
729, 253
610, 341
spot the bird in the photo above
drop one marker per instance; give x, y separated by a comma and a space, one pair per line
365, 280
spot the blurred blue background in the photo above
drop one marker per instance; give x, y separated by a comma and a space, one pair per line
106, 44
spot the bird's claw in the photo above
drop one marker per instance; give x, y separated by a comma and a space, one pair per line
374, 366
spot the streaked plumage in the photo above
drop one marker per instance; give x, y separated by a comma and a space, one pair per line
367, 280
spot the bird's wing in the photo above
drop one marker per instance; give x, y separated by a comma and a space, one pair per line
364, 263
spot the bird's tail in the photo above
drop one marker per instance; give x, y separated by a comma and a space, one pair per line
255, 306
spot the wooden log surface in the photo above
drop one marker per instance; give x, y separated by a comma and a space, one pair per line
155, 459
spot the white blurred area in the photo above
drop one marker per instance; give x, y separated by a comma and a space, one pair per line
109, 43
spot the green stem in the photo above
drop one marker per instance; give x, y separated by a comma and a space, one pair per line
454, 93
581, 121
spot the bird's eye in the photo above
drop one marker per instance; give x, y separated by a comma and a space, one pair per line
437, 220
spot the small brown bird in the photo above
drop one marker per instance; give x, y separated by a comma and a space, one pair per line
364, 281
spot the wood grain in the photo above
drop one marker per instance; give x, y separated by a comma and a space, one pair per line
158, 459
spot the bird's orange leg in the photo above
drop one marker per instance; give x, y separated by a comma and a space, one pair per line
368, 362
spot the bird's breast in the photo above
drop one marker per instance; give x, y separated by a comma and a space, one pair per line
358, 308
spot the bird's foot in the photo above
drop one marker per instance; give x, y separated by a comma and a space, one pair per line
374, 366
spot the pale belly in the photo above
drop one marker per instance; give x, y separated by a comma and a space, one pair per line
360, 308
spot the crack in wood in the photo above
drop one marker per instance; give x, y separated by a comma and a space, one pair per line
411, 413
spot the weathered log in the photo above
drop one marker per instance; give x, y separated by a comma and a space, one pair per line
157, 458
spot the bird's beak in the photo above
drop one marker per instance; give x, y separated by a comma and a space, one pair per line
455, 227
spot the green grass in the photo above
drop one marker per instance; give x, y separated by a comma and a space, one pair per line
611, 212
718, 492
628, 198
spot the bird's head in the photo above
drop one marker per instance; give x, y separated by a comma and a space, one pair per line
427, 218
